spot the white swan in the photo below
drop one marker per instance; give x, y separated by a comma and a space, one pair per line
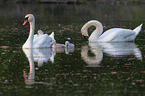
111, 35
38, 41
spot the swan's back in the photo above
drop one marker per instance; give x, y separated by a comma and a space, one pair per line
118, 35
40, 33
42, 41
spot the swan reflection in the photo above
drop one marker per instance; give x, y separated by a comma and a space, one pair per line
43, 55
95, 57
112, 49
40, 56
121, 49
29, 78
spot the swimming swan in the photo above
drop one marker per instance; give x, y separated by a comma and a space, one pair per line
111, 35
36, 41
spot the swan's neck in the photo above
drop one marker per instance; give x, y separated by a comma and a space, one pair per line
97, 32
29, 41
32, 27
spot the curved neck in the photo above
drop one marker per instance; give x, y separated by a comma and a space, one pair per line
29, 41
96, 33
32, 27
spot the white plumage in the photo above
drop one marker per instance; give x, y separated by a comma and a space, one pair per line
39, 40
111, 35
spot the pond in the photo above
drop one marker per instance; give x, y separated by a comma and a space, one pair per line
100, 69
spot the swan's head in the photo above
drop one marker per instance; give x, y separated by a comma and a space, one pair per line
90, 23
28, 18
84, 32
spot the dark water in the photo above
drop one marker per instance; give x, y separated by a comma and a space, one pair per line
104, 69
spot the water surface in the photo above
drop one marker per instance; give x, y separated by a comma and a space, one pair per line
90, 69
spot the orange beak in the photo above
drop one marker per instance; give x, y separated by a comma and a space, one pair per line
86, 37
25, 21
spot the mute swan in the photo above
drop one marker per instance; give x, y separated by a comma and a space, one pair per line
111, 35
36, 41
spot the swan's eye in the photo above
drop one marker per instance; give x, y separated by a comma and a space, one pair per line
25, 21
86, 37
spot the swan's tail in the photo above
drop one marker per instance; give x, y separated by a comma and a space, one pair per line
138, 29
52, 35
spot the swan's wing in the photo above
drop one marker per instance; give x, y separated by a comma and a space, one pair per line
118, 34
40, 32
42, 41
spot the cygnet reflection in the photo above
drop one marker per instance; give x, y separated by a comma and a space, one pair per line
95, 57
